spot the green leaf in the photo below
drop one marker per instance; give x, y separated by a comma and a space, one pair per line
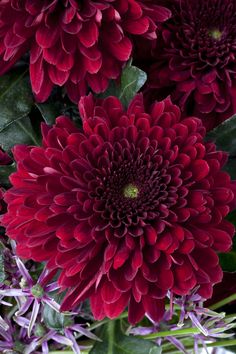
56, 320
5, 172
231, 217
16, 102
15, 97
224, 136
2, 268
230, 167
228, 260
49, 111
132, 79
17, 132
115, 342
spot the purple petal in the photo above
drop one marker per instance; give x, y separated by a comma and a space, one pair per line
141, 331
196, 351
51, 287
62, 340
33, 317
24, 272
45, 349
204, 345
3, 324
52, 303
195, 321
24, 307
42, 275
158, 342
177, 344
85, 332
12, 292
5, 334
222, 335
22, 321
31, 347
4, 345
5, 303
181, 317
48, 336
74, 346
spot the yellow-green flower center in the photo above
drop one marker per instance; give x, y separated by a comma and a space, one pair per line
37, 291
215, 34
130, 191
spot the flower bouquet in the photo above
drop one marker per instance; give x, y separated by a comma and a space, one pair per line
117, 173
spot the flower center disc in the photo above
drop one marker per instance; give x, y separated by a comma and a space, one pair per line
215, 34
130, 191
37, 291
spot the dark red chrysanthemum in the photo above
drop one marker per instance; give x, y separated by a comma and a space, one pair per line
128, 209
74, 43
196, 60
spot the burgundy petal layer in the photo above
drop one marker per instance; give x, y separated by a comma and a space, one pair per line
128, 209
195, 61
74, 43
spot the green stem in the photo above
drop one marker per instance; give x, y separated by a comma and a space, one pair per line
223, 343
14, 83
175, 333
64, 352
232, 315
111, 333
68, 352
223, 302
166, 346
98, 324
105, 321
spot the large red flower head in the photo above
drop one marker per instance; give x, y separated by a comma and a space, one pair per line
128, 209
74, 43
196, 61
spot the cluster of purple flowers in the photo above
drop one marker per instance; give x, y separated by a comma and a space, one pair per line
203, 324
23, 328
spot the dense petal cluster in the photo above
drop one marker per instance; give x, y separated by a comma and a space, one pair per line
196, 61
128, 209
74, 43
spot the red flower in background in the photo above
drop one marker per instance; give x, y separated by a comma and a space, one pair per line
128, 209
196, 60
74, 43
5, 159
